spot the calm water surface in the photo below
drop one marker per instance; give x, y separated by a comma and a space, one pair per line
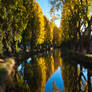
50, 73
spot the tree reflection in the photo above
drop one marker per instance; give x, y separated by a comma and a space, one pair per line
55, 89
37, 72
75, 79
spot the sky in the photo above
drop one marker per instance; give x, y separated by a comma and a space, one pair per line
45, 6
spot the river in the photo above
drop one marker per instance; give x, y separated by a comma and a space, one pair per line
49, 72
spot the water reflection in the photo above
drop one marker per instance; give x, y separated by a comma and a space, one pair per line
49, 73
37, 70
55, 83
76, 78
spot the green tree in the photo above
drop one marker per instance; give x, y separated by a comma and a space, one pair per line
75, 18
13, 18
48, 31
57, 36
34, 33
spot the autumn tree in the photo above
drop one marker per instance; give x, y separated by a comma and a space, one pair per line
75, 18
34, 33
57, 36
48, 31
13, 20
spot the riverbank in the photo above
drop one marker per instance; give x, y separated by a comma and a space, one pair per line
6, 72
77, 57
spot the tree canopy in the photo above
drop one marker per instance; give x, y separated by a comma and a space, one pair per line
23, 25
76, 19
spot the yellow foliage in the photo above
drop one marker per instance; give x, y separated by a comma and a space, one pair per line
42, 64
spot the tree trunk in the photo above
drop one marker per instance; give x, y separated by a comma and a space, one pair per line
89, 35
80, 38
75, 39
89, 82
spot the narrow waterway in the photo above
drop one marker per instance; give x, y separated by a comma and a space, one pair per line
49, 72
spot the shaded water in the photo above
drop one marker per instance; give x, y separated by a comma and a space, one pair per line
50, 73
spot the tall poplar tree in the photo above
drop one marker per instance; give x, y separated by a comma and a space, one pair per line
34, 33
13, 20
